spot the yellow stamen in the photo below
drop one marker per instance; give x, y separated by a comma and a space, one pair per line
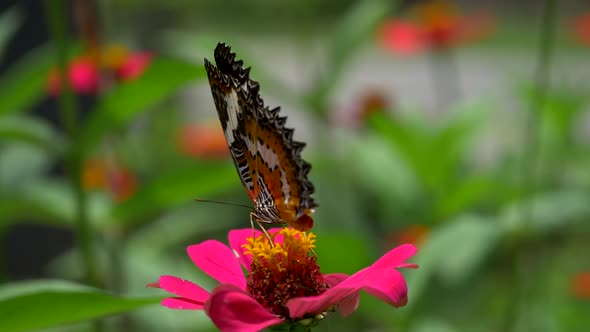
295, 243
283, 267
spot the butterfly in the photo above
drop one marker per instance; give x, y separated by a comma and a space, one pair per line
267, 159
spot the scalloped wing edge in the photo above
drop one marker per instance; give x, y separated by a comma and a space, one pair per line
232, 71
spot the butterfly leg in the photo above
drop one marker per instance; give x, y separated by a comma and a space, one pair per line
252, 218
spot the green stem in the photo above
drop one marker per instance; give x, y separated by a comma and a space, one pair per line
530, 167
74, 155
542, 77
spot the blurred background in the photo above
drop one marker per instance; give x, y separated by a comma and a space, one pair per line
459, 126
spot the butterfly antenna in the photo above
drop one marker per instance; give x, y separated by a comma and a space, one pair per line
223, 203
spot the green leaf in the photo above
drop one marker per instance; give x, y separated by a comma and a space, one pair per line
431, 324
49, 202
9, 22
410, 139
351, 256
550, 211
24, 83
464, 195
175, 187
162, 79
32, 305
383, 173
32, 131
453, 251
475, 235
186, 223
20, 163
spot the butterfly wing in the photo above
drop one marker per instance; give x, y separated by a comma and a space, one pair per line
267, 158
238, 120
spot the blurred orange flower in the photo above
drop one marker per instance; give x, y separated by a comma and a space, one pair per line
202, 140
581, 29
580, 285
438, 24
371, 102
415, 234
356, 113
84, 72
119, 181
94, 174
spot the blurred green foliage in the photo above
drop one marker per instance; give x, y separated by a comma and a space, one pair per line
484, 266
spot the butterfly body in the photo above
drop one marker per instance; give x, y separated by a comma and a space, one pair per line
267, 159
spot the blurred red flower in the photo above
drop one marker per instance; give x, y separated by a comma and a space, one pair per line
581, 29
119, 181
202, 141
437, 25
122, 184
84, 72
580, 285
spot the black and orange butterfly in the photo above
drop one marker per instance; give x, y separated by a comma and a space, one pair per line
267, 159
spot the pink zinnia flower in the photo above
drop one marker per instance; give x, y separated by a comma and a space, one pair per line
283, 283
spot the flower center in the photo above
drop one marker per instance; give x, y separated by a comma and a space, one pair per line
283, 270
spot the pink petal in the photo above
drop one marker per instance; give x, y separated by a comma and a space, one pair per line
300, 306
396, 257
389, 286
218, 261
231, 309
183, 288
335, 278
380, 279
349, 304
181, 303
237, 238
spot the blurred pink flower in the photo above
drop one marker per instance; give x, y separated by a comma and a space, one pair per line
437, 25
82, 75
581, 29
283, 282
84, 72
134, 66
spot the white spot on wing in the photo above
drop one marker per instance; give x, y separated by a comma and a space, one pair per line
233, 108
